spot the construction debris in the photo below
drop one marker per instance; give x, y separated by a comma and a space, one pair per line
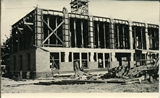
65, 82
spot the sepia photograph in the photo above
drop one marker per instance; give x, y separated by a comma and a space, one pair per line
79, 46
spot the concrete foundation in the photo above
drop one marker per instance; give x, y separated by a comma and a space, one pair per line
44, 74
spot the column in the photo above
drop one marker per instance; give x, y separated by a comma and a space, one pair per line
113, 57
48, 22
147, 37
39, 37
104, 28
132, 62
82, 41
90, 33
103, 60
91, 57
130, 35
111, 35
75, 35
114, 63
66, 31
66, 57
80, 59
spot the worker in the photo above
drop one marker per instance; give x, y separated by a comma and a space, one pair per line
76, 68
137, 43
100, 65
53, 66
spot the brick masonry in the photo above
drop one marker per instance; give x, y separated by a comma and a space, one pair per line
42, 62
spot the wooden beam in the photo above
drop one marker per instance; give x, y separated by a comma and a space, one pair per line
28, 23
19, 29
29, 27
52, 45
53, 32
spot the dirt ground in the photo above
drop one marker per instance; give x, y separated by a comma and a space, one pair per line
145, 86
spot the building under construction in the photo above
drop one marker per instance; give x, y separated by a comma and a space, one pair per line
44, 34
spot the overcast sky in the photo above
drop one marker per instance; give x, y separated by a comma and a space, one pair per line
142, 11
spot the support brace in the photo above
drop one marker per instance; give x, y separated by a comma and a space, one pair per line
53, 32
29, 27
27, 24
19, 30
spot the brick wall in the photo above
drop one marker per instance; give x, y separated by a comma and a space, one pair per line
24, 60
42, 63
93, 65
66, 66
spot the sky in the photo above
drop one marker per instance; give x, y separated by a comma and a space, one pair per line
141, 11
